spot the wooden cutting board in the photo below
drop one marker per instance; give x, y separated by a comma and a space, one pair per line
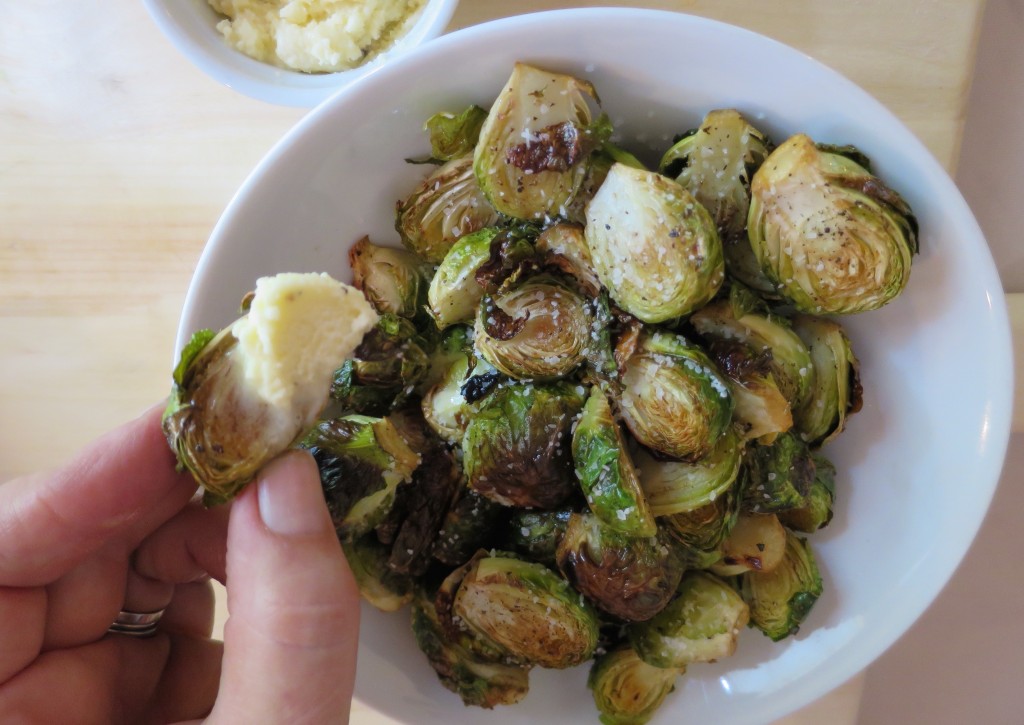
117, 156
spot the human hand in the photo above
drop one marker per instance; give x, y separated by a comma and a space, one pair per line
117, 529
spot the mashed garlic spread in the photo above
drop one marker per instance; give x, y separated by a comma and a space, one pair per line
315, 36
299, 329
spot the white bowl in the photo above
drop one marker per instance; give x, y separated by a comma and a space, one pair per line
190, 25
917, 466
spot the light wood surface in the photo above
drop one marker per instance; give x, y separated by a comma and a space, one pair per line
117, 156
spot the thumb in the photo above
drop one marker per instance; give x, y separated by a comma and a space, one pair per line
290, 641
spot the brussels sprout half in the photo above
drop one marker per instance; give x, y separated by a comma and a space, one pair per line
779, 475
674, 400
454, 293
831, 236
654, 247
393, 280
536, 534
836, 392
817, 512
700, 532
701, 624
627, 690
629, 577
386, 590
471, 523
528, 611
781, 599
531, 158
606, 472
756, 543
453, 136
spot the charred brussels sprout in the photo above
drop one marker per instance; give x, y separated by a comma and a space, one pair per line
528, 611
517, 445
531, 158
606, 472
536, 534
362, 461
836, 392
828, 233
445, 207
388, 591
453, 136
756, 543
393, 280
627, 690
654, 246
781, 600
715, 163
629, 577
478, 680
454, 292
674, 400
538, 330
700, 625
470, 524
780, 475
817, 512
244, 395
673, 487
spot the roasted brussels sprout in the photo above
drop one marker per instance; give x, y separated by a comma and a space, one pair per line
445, 207
629, 577
674, 400
756, 543
781, 599
627, 690
836, 392
478, 680
517, 448
654, 246
673, 487
453, 136
528, 611
454, 293
539, 330
536, 534
531, 158
817, 512
606, 471
444, 407
564, 248
700, 625
393, 280
362, 461
470, 524
242, 396
700, 532
780, 475
831, 236
385, 589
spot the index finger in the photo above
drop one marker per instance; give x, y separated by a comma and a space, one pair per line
119, 488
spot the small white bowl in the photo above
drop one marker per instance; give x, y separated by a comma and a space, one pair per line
190, 25
917, 465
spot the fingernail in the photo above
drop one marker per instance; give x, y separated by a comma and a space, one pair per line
291, 501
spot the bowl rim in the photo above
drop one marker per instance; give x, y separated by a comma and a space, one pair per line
858, 655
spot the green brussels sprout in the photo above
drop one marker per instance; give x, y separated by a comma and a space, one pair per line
780, 600
362, 460
454, 293
780, 475
444, 207
469, 525
443, 405
674, 400
831, 236
538, 330
531, 158
536, 534
629, 577
757, 542
601, 161
386, 590
701, 532
673, 487
528, 611
627, 690
393, 280
789, 361
606, 471
817, 512
700, 625
836, 392
564, 248
654, 247
479, 681
453, 136
243, 396
517, 445
715, 163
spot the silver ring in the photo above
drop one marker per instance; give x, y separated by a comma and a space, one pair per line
136, 624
